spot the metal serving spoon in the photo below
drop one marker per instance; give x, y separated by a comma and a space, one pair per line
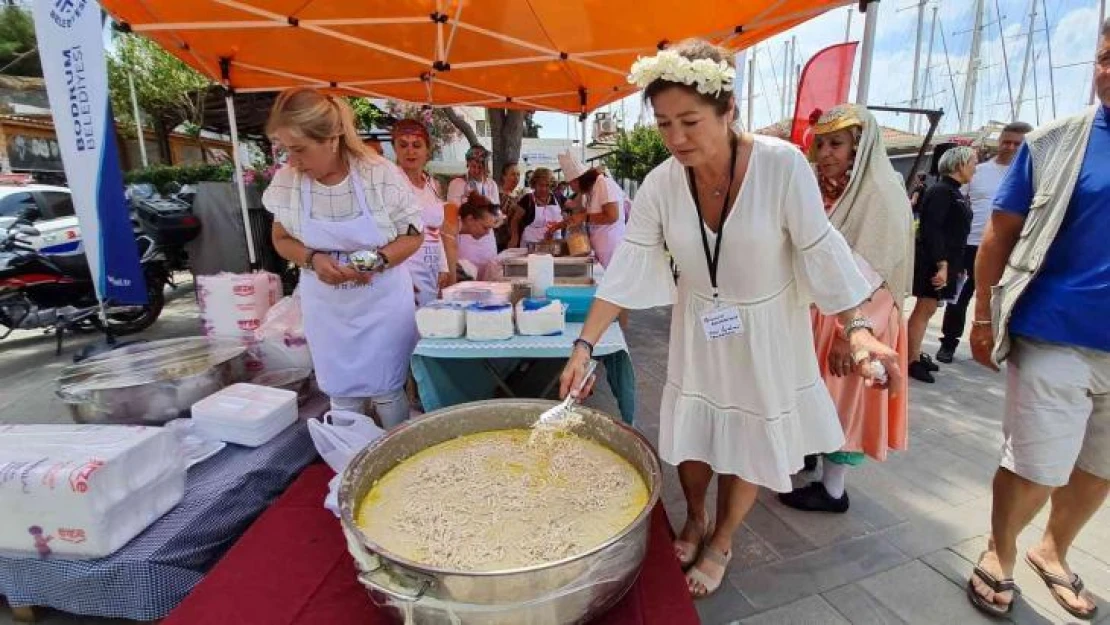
555, 413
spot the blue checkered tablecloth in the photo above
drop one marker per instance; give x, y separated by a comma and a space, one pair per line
150, 575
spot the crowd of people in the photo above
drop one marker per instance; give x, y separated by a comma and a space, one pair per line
788, 340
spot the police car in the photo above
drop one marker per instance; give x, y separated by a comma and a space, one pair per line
50, 210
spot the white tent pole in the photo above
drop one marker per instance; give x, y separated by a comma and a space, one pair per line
138, 120
584, 155
240, 183
869, 26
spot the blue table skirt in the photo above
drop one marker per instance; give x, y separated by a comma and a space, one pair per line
150, 575
448, 372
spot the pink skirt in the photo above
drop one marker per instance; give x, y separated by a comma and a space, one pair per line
874, 420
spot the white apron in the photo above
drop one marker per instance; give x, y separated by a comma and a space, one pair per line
361, 336
606, 238
428, 261
545, 216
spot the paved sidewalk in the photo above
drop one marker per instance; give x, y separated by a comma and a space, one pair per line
900, 555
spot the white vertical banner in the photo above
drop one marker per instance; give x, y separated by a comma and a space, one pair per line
71, 49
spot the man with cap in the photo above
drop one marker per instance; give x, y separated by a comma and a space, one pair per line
478, 252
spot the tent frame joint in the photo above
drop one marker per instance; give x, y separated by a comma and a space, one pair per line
294, 22
441, 66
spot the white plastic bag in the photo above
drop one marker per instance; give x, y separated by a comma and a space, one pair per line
338, 436
281, 340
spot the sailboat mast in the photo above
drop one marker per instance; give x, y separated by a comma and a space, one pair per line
1051, 69
1098, 40
971, 81
1028, 55
914, 93
1005, 60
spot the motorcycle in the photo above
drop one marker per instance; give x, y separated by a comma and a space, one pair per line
55, 292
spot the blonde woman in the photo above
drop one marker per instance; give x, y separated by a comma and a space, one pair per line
333, 197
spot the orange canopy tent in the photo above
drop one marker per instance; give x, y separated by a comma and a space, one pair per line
557, 55
569, 56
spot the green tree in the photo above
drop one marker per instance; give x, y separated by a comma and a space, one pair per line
531, 128
367, 115
169, 92
637, 153
18, 47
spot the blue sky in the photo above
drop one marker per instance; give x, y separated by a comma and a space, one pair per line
1073, 28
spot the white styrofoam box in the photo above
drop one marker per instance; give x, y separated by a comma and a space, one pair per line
475, 292
540, 317
84, 491
441, 320
233, 305
245, 414
489, 323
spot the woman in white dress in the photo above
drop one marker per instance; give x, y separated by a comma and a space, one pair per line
428, 266
744, 398
602, 207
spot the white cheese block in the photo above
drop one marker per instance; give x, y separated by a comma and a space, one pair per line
441, 320
546, 319
489, 323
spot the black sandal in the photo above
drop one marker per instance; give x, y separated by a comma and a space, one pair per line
1074, 584
989, 607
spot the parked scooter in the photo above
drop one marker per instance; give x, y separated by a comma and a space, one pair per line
56, 292
169, 220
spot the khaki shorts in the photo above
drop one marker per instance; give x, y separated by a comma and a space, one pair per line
1057, 412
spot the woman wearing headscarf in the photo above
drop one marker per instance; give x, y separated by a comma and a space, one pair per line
540, 208
334, 197
865, 201
428, 266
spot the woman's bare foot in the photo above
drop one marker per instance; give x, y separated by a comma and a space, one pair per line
688, 544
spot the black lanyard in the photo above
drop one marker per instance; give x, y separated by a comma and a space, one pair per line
713, 260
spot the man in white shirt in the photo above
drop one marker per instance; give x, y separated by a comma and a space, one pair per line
988, 176
478, 252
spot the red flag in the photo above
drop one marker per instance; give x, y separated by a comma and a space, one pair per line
824, 83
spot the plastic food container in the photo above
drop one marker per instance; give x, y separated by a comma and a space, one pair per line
245, 414
577, 300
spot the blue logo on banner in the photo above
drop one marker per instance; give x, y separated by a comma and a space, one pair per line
66, 12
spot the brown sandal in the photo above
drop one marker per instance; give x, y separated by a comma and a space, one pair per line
1055, 582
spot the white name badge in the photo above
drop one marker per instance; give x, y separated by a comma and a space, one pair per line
721, 322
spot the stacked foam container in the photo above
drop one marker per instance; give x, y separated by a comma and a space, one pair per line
245, 414
233, 305
84, 491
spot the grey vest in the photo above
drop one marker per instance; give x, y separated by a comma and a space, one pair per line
1057, 152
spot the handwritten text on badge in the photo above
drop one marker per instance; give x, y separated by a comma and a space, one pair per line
721, 322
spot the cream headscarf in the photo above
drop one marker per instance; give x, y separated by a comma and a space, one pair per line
874, 212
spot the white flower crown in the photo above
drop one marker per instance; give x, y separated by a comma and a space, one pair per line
709, 77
